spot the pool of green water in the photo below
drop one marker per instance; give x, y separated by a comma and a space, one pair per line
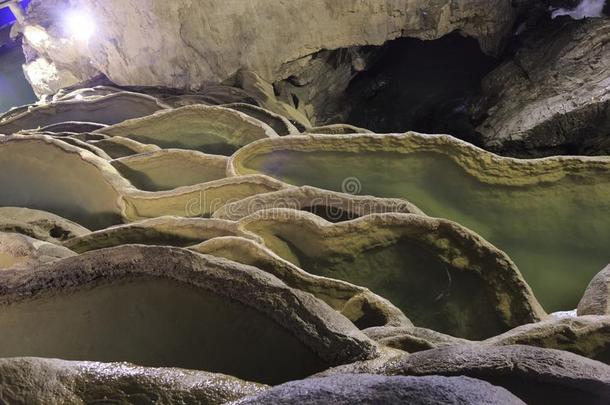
557, 233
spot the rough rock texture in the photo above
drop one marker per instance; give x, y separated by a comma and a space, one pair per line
412, 339
115, 305
553, 97
117, 146
356, 303
200, 200
73, 126
596, 300
338, 129
110, 109
39, 224
19, 251
26, 381
524, 207
441, 275
374, 389
537, 376
168, 231
282, 126
192, 37
588, 336
265, 94
46, 173
171, 168
332, 206
214, 130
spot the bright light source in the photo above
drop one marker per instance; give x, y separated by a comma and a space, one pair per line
79, 25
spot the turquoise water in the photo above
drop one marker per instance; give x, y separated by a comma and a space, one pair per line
558, 234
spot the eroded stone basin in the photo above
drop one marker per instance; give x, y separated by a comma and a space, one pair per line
168, 169
441, 275
49, 175
110, 109
162, 306
156, 323
549, 215
214, 130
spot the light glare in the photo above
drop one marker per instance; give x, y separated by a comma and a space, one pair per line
79, 25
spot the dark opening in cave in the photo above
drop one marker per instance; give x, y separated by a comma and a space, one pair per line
424, 86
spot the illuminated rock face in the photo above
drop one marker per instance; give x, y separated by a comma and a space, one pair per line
169, 307
227, 234
20, 251
553, 96
525, 208
560, 377
31, 380
439, 274
193, 37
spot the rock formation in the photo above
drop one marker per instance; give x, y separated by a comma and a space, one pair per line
440, 275
584, 335
194, 56
524, 207
110, 109
170, 231
215, 130
553, 375
161, 306
204, 206
20, 251
553, 96
332, 206
170, 168
364, 308
39, 224
366, 389
596, 300
31, 380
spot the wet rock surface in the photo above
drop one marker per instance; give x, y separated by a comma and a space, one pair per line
559, 376
596, 300
506, 200
160, 306
35, 380
367, 389
193, 205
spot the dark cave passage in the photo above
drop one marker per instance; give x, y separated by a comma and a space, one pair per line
424, 86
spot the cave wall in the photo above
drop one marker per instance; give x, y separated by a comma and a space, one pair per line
209, 40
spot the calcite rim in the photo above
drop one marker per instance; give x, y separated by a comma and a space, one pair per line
170, 223
295, 275
483, 165
129, 197
303, 196
328, 334
515, 304
171, 114
10, 117
292, 130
